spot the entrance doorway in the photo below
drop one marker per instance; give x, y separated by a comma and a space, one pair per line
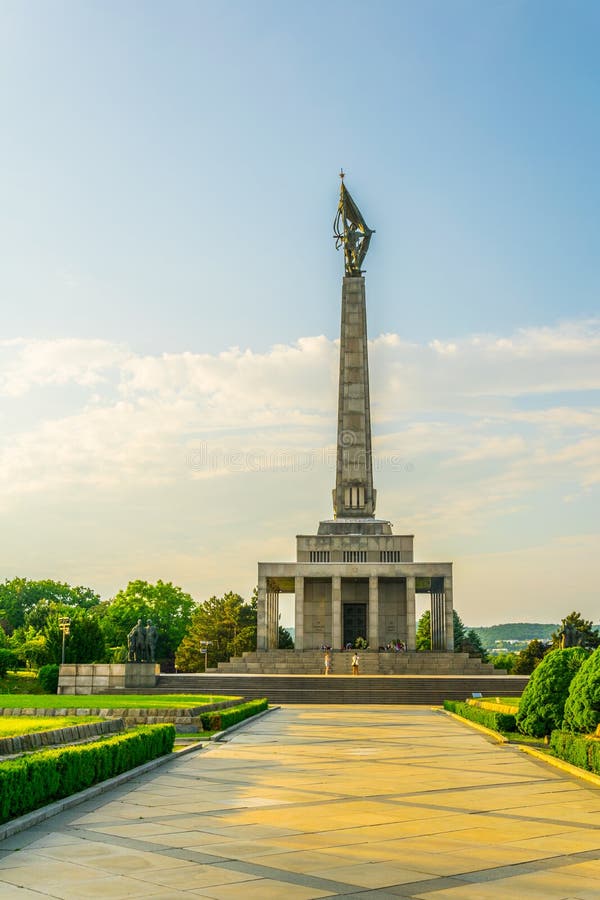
355, 622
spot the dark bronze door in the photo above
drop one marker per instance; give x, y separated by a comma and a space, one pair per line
355, 622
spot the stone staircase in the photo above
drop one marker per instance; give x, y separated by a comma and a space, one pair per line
310, 662
364, 689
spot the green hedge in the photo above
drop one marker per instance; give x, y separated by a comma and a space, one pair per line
225, 718
48, 678
35, 780
577, 749
497, 721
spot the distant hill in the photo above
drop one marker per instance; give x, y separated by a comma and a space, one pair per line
521, 632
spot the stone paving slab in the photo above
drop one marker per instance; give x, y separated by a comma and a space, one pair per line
322, 801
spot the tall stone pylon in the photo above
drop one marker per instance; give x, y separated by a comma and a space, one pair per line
353, 495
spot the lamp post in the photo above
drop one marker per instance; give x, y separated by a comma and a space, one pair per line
204, 650
64, 623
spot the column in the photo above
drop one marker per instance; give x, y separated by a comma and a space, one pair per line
411, 616
336, 612
373, 636
438, 622
449, 603
261, 614
299, 612
273, 620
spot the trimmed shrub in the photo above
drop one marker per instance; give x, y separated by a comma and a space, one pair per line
225, 718
497, 721
31, 781
48, 678
594, 755
582, 709
542, 705
8, 660
577, 749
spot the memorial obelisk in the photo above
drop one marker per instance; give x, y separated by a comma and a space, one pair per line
355, 580
353, 496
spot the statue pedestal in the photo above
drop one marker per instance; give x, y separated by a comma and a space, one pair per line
101, 678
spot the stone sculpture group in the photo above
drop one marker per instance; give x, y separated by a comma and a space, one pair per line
141, 642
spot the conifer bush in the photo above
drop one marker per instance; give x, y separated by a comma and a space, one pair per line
582, 709
542, 705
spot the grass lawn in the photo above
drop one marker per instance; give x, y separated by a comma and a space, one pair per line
107, 701
515, 737
14, 726
22, 682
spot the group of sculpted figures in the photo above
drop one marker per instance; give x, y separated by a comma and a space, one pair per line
141, 642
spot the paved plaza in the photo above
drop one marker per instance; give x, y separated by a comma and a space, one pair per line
320, 801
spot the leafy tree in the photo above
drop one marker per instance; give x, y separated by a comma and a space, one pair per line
423, 641
541, 708
228, 622
19, 597
30, 647
8, 660
581, 630
504, 661
169, 607
84, 644
582, 709
530, 657
424, 631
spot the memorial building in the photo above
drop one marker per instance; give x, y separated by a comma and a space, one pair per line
354, 577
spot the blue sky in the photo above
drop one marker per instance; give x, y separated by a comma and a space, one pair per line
168, 175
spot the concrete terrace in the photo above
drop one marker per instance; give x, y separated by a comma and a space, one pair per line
325, 801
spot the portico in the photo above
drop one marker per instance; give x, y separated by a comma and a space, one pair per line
338, 602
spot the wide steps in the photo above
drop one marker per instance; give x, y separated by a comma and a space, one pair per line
310, 662
332, 689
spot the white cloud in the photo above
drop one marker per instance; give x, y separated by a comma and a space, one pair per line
26, 364
458, 453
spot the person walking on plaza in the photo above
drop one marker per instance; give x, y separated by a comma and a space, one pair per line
327, 663
355, 662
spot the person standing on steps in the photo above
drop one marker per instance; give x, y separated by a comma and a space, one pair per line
327, 662
355, 663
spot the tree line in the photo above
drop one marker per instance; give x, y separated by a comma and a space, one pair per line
30, 632
226, 626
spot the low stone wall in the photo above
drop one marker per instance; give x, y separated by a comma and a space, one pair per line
68, 735
106, 678
185, 719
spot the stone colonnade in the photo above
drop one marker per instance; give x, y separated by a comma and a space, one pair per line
442, 625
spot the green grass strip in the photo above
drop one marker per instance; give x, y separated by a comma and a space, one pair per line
15, 726
107, 701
